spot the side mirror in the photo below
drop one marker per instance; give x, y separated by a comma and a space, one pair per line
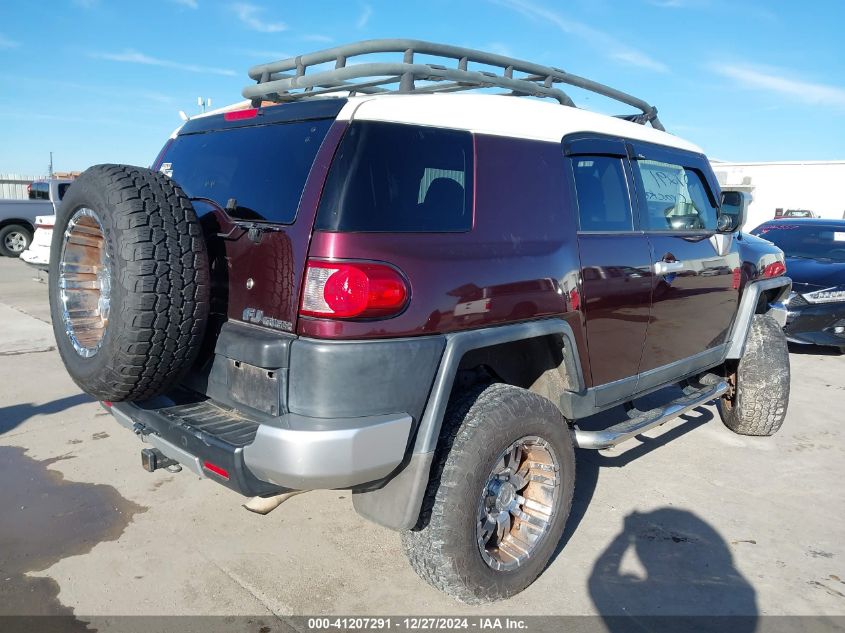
733, 211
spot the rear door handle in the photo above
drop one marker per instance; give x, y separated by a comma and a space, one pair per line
664, 268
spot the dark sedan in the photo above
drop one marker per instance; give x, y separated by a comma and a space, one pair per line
815, 260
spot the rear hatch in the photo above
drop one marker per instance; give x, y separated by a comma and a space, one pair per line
254, 177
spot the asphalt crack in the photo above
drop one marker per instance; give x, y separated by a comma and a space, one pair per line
52, 348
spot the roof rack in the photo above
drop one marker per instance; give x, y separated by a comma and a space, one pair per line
288, 79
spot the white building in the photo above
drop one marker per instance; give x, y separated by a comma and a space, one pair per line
818, 186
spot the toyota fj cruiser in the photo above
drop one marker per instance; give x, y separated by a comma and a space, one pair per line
416, 295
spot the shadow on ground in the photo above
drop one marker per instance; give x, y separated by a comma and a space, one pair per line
669, 570
14, 415
813, 350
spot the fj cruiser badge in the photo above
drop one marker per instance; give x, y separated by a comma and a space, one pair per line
254, 315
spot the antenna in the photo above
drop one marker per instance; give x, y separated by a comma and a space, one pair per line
203, 103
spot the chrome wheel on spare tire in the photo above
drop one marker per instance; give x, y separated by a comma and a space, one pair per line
128, 284
499, 495
85, 282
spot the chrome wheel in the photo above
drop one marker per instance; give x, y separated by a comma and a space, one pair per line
518, 503
15, 242
84, 282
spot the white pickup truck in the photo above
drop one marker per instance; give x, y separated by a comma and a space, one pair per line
18, 218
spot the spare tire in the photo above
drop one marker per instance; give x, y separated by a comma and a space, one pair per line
129, 282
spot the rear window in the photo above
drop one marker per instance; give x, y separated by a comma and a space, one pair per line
808, 241
389, 177
62, 189
262, 168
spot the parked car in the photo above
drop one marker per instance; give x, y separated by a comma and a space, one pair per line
416, 297
815, 258
18, 217
38, 253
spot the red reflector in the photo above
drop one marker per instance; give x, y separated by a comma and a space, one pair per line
106, 403
346, 290
222, 472
775, 269
239, 115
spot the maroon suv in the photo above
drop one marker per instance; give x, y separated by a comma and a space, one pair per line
417, 297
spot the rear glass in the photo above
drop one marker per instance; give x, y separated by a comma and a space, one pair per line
808, 241
389, 177
262, 168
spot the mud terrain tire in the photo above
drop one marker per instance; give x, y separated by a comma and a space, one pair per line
444, 546
136, 239
761, 390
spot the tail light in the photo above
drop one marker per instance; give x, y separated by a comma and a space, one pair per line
345, 290
240, 115
775, 269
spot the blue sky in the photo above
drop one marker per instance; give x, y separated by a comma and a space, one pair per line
103, 80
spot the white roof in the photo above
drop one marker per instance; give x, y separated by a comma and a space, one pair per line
500, 116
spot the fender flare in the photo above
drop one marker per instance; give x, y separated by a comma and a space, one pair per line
397, 503
748, 307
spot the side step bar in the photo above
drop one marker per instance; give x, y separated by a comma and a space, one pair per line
644, 420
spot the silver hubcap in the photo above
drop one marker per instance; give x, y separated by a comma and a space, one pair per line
518, 503
85, 282
15, 242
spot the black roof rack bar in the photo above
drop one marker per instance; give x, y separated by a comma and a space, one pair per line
287, 79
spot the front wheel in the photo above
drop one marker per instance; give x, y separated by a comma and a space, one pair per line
499, 496
14, 240
757, 402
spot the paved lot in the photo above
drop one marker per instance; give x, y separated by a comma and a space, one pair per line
709, 522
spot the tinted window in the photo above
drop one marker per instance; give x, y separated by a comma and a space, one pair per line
603, 200
808, 241
62, 189
263, 168
39, 191
676, 198
388, 177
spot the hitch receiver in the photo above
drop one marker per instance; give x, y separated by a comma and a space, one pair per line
152, 459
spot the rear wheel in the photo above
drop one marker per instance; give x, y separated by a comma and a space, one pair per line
14, 240
499, 496
129, 282
757, 402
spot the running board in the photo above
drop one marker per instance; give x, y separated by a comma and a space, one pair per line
644, 420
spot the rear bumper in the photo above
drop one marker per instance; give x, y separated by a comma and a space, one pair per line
276, 412
305, 456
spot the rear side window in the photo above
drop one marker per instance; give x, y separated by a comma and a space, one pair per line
602, 190
388, 177
676, 198
263, 167
62, 189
